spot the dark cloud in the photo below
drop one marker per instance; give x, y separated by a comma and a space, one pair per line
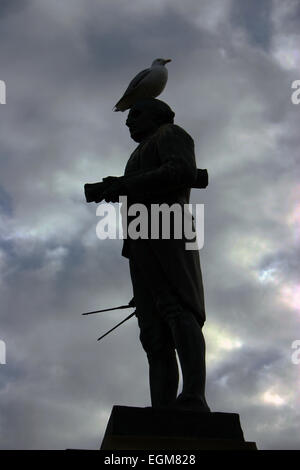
9, 7
6, 205
65, 65
255, 19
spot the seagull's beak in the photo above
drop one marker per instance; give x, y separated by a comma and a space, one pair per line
168, 60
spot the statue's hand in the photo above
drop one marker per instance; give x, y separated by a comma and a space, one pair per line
109, 189
94, 192
132, 302
114, 190
110, 179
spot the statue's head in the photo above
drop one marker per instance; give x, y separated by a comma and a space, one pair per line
146, 116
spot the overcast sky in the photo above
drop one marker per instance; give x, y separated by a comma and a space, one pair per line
66, 64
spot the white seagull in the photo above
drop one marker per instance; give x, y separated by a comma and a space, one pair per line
149, 83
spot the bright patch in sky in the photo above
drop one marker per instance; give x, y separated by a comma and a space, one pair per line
230, 343
287, 53
267, 275
219, 341
290, 295
293, 221
248, 250
273, 398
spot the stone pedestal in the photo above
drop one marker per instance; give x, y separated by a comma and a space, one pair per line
162, 429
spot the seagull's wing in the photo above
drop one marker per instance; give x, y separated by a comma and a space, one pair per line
125, 102
136, 81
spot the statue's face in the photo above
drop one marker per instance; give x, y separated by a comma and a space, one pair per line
141, 122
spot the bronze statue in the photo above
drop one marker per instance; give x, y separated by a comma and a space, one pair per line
166, 277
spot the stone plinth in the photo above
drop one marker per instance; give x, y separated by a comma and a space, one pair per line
131, 428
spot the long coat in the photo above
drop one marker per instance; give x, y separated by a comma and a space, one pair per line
162, 169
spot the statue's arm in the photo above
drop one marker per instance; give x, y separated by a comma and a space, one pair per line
96, 192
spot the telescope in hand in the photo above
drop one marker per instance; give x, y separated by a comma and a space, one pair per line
95, 192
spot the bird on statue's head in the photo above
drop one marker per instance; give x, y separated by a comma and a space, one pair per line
148, 83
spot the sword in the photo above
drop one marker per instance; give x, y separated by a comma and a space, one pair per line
112, 329
131, 304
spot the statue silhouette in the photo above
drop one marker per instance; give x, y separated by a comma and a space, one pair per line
166, 277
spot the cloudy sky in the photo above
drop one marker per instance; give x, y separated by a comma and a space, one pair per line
65, 65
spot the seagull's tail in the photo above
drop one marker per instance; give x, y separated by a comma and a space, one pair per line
122, 104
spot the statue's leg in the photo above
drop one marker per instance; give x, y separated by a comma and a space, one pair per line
186, 331
157, 342
190, 345
163, 371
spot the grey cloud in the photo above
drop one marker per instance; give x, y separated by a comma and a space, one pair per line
65, 65
6, 202
255, 18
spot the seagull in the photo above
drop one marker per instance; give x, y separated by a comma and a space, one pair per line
149, 83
